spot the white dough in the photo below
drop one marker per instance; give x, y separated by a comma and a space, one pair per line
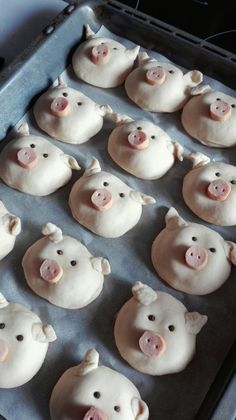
10, 227
88, 387
110, 74
170, 95
195, 190
155, 333
150, 162
124, 205
197, 120
82, 275
171, 248
52, 170
23, 343
82, 120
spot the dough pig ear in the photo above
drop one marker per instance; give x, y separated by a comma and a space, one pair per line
143, 293
89, 34
198, 159
140, 409
71, 162
103, 110
201, 89
3, 301
23, 130
143, 58
174, 220
89, 363
53, 232
43, 333
93, 168
132, 52
120, 119
194, 322
61, 82
178, 150
141, 198
101, 265
12, 223
193, 78
231, 251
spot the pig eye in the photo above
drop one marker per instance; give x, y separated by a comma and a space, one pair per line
153, 137
139, 128
218, 99
32, 145
233, 181
97, 394
59, 252
194, 238
73, 262
217, 174
2, 325
233, 106
117, 408
45, 155
79, 103
122, 195
151, 317
171, 328
65, 94
171, 71
212, 249
105, 184
19, 337
114, 48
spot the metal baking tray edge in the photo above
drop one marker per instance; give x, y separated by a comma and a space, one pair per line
34, 70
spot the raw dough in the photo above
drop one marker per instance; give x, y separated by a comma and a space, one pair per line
10, 227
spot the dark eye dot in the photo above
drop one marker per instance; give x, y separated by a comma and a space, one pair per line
73, 262
65, 94
233, 106
194, 238
114, 48
153, 137
45, 155
171, 71
2, 325
32, 145
60, 252
79, 103
233, 181
139, 128
117, 408
151, 317
171, 327
217, 174
122, 195
218, 99
212, 249
105, 184
97, 394
19, 337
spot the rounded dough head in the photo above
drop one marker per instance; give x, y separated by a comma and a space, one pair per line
49, 173
108, 75
155, 318
195, 193
168, 257
10, 227
197, 121
170, 96
80, 282
81, 122
73, 395
151, 162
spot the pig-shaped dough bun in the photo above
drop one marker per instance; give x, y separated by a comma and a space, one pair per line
35, 166
155, 333
60, 269
23, 343
10, 227
209, 190
103, 62
92, 392
68, 115
142, 148
210, 117
160, 87
104, 204
191, 257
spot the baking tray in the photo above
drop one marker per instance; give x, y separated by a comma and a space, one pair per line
47, 57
